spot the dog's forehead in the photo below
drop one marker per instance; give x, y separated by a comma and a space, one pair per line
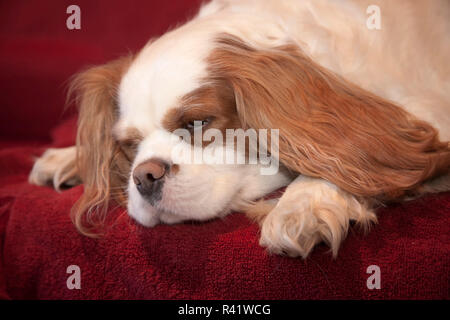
164, 71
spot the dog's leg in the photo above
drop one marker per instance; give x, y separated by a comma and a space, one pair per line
310, 211
57, 168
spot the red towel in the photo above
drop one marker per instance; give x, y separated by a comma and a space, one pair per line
213, 260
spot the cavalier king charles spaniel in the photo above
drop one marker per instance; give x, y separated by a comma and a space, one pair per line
363, 118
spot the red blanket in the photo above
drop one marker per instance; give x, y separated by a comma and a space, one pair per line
213, 260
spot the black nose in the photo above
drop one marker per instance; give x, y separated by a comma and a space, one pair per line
149, 178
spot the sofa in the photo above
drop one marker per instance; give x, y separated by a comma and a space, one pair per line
218, 259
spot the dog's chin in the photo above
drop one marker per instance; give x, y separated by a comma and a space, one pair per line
149, 215
142, 212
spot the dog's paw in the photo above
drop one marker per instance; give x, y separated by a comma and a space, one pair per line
310, 213
56, 168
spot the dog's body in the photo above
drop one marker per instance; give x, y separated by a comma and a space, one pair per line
293, 65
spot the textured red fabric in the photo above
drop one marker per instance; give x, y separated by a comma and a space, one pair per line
219, 259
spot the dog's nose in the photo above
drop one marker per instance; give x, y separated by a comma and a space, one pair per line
148, 176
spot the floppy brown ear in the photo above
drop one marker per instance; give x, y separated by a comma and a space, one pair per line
329, 128
102, 166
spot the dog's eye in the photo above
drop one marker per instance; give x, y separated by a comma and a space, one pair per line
129, 148
128, 144
197, 124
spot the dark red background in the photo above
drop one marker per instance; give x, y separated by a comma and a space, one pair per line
39, 53
219, 259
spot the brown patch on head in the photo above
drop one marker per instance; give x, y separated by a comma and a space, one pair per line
329, 127
213, 102
130, 135
102, 164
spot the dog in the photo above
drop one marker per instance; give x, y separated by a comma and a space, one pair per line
363, 118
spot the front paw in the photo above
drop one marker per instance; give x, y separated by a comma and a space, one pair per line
295, 226
56, 168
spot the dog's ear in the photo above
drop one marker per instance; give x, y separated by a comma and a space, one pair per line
102, 165
329, 127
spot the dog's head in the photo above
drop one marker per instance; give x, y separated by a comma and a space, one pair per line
133, 109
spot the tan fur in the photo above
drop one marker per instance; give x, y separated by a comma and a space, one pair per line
329, 127
258, 210
102, 164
